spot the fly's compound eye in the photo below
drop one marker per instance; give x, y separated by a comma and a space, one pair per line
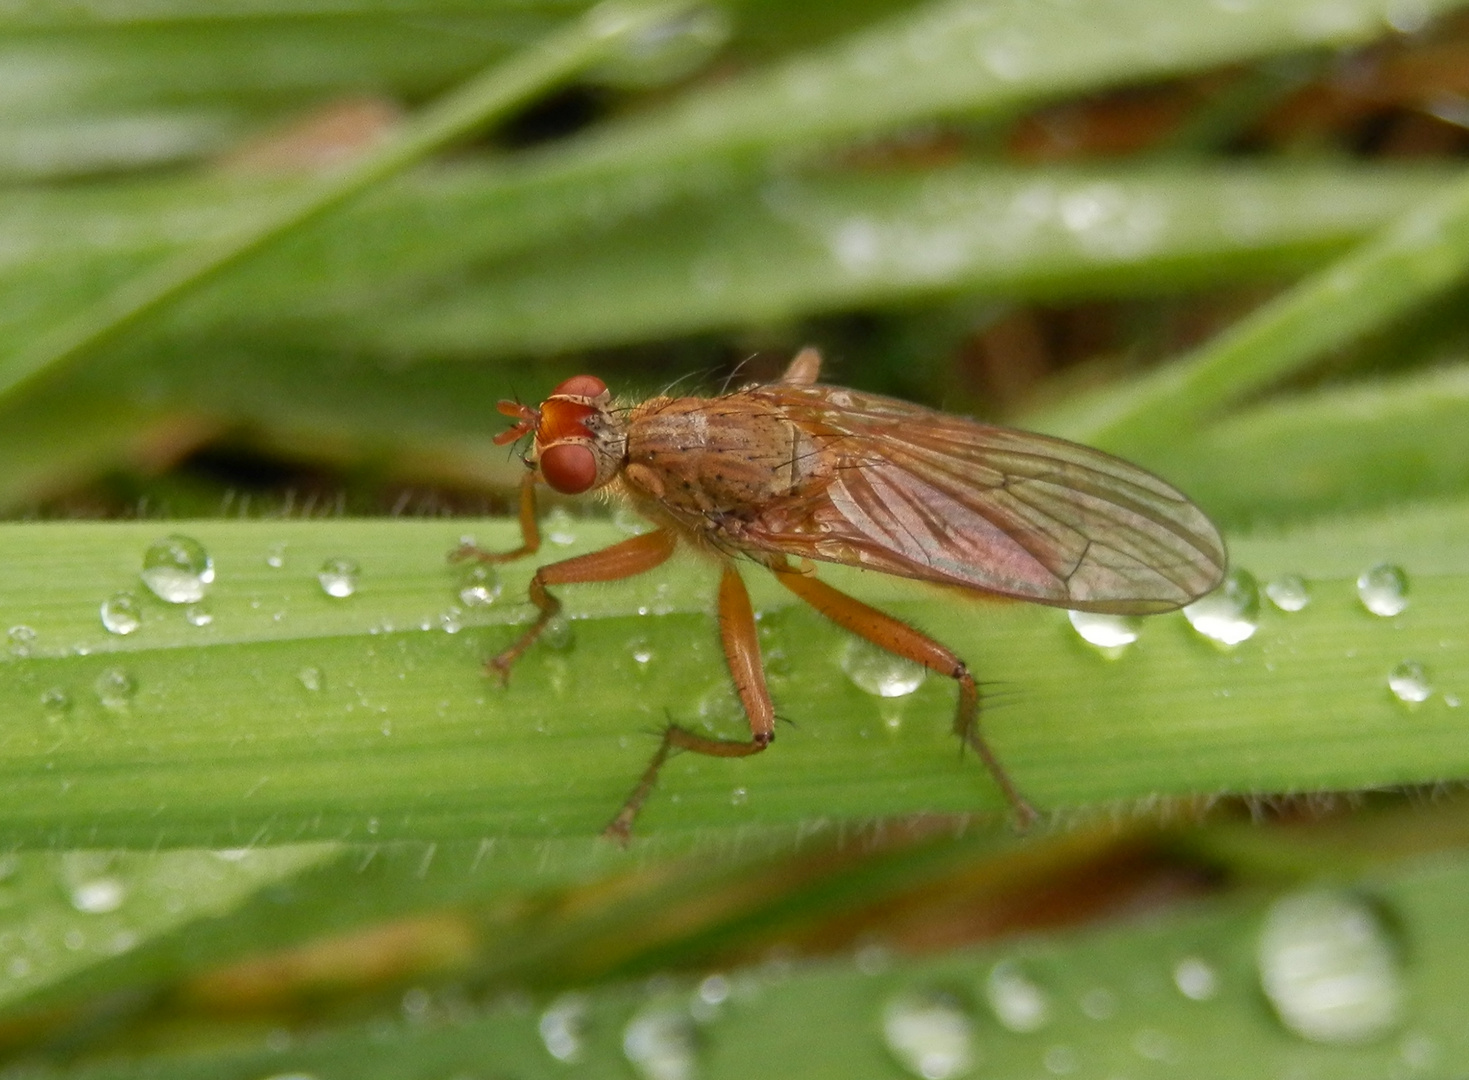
581, 386
569, 468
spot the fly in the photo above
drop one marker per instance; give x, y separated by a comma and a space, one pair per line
797, 470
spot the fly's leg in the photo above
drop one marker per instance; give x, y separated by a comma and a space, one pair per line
530, 531
898, 637
625, 559
742, 653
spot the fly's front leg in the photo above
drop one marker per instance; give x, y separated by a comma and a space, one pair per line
742, 652
624, 559
530, 531
898, 637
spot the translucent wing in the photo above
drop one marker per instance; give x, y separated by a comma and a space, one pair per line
922, 494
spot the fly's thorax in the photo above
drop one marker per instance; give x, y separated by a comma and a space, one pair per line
717, 458
581, 441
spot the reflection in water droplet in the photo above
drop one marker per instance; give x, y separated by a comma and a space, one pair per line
1195, 978
1108, 632
880, 672
1018, 1002
177, 569
338, 577
660, 1043
311, 678
929, 1034
481, 586
563, 1027
1289, 592
121, 613
558, 526
558, 634
1383, 589
56, 701
22, 639
1409, 683
99, 896
198, 615
115, 688
1230, 614
1329, 968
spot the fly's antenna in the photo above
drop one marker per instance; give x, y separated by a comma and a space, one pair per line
526, 420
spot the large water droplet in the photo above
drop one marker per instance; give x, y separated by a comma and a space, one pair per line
1230, 614
121, 613
115, 688
1329, 968
177, 569
1111, 633
1288, 592
880, 672
929, 1034
1195, 978
563, 1027
1409, 683
1383, 589
1017, 1000
338, 577
660, 1043
481, 586
22, 639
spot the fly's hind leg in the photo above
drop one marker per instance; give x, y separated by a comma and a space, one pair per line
898, 637
742, 652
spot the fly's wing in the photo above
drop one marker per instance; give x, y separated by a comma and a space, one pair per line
921, 494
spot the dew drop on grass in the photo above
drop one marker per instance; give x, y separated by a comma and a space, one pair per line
739, 796
668, 50
1329, 968
1016, 999
562, 1027
338, 577
629, 521
642, 653
1289, 592
558, 634
177, 569
56, 701
661, 1044
115, 688
98, 896
451, 621
198, 615
121, 613
1383, 589
21, 639
481, 586
929, 1034
1195, 978
1107, 632
879, 672
1231, 613
1409, 683
275, 556
311, 678
559, 527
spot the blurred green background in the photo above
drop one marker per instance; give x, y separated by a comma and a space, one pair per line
267, 265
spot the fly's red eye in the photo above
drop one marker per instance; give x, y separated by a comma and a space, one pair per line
569, 468
581, 386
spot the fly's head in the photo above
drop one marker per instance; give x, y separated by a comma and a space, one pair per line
580, 442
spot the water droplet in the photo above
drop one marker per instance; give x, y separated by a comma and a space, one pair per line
714, 990
1329, 968
929, 1034
451, 621
481, 586
121, 613
275, 556
1409, 683
311, 678
338, 577
1383, 589
1195, 978
1288, 592
56, 701
642, 653
563, 1027
660, 1043
1155, 1045
99, 896
558, 634
1017, 1001
22, 639
198, 615
1230, 614
667, 51
1099, 1003
629, 521
880, 672
1059, 1060
115, 688
177, 569
739, 796
559, 527
1108, 632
